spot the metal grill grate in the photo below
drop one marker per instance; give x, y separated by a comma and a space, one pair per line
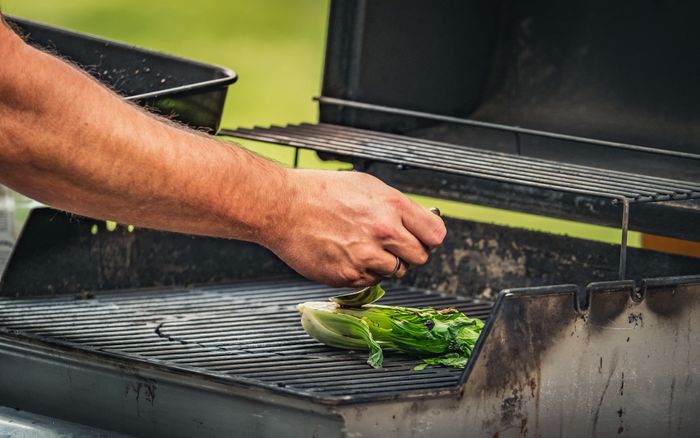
472, 162
249, 333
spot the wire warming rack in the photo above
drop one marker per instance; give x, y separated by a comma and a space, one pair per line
621, 188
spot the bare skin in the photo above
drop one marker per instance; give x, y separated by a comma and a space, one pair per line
71, 143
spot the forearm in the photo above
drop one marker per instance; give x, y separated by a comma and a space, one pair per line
69, 142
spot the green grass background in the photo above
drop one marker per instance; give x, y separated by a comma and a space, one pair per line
276, 47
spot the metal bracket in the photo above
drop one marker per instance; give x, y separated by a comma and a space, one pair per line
623, 237
296, 157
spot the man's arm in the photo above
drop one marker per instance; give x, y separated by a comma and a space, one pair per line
73, 144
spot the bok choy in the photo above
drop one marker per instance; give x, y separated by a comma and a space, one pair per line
439, 337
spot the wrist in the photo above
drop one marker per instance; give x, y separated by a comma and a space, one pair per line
277, 221
272, 215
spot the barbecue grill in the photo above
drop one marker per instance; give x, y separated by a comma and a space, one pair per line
584, 111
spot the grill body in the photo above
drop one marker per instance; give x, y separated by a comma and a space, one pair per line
218, 358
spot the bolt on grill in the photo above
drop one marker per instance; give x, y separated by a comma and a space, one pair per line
245, 332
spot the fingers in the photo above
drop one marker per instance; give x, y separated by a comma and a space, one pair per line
425, 225
385, 265
373, 267
366, 279
407, 247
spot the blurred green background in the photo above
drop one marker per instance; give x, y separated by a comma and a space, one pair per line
277, 49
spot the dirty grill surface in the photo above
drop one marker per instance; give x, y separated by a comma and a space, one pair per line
248, 333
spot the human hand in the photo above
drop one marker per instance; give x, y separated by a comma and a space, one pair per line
347, 228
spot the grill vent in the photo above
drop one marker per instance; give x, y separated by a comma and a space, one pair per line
249, 333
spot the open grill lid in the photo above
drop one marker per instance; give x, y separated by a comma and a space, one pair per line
543, 108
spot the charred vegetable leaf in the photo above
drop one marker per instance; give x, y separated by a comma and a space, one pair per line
360, 298
440, 337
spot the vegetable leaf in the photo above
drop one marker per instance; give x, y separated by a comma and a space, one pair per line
440, 337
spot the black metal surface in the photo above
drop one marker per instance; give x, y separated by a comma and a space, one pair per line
188, 91
445, 157
622, 366
673, 219
516, 130
244, 333
60, 253
479, 260
593, 69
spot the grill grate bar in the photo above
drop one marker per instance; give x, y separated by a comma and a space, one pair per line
247, 332
56, 314
502, 127
450, 165
326, 375
500, 157
365, 392
141, 300
163, 301
485, 163
473, 162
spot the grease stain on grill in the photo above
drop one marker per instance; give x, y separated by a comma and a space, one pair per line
636, 318
246, 332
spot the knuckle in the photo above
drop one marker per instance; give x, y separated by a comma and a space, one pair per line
366, 257
397, 201
364, 280
360, 283
350, 275
437, 235
382, 231
422, 258
365, 251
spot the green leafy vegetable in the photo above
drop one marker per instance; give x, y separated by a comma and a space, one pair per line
440, 337
356, 299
